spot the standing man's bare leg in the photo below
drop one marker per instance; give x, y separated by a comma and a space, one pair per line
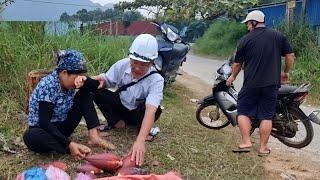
265, 130
244, 124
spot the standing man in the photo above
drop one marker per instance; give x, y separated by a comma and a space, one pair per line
260, 51
138, 96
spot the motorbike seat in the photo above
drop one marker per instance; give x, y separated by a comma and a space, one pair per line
180, 49
286, 89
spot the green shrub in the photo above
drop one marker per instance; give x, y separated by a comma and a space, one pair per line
307, 64
220, 39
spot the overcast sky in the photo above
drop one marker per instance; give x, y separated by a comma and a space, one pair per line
142, 11
103, 2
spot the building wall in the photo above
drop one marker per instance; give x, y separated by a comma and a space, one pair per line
135, 28
276, 13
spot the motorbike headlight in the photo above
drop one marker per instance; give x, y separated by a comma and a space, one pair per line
226, 69
172, 36
162, 29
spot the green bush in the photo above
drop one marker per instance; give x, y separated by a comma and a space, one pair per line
307, 65
220, 39
24, 47
300, 36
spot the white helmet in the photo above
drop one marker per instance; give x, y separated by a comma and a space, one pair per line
255, 15
144, 48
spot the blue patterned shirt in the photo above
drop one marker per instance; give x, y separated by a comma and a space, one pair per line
49, 90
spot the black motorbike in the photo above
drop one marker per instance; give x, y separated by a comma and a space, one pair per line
287, 125
172, 52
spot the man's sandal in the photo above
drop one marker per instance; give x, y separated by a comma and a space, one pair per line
264, 154
242, 150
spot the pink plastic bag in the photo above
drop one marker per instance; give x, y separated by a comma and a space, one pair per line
54, 173
168, 176
85, 176
20, 176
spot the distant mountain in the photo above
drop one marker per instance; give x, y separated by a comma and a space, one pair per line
46, 10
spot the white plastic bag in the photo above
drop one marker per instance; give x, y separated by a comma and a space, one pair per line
54, 173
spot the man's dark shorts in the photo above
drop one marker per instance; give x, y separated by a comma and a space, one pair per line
258, 103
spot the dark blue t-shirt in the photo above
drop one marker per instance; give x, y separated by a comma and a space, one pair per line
260, 52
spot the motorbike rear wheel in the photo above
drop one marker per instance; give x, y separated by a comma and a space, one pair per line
299, 116
208, 115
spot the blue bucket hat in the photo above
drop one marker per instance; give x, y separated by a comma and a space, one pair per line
72, 61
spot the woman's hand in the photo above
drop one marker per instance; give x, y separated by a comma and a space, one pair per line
78, 151
79, 81
102, 82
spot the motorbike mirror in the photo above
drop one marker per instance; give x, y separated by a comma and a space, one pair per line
171, 35
155, 23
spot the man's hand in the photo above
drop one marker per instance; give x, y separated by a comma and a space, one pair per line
230, 80
137, 152
79, 81
102, 82
285, 78
78, 151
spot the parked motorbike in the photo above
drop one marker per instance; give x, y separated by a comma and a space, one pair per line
287, 125
172, 52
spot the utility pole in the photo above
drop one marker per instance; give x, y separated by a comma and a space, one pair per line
291, 5
304, 12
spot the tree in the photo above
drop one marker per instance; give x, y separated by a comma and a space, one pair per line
64, 17
190, 9
4, 3
131, 16
96, 15
269, 1
83, 15
159, 5
113, 14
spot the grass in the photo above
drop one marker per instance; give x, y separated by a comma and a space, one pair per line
199, 153
220, 39
24, 47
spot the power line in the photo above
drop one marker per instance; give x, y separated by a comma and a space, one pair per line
67, 4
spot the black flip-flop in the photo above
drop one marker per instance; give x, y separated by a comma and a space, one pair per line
242, 150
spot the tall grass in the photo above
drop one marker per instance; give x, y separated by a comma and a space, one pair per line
220, 39
307, 64
24, 47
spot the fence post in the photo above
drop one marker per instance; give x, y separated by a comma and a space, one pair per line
291, 5
303, 12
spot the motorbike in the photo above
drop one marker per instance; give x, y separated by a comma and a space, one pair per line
172, 52
287, 124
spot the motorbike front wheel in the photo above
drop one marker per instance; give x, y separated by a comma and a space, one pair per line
304, 127
209, 116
